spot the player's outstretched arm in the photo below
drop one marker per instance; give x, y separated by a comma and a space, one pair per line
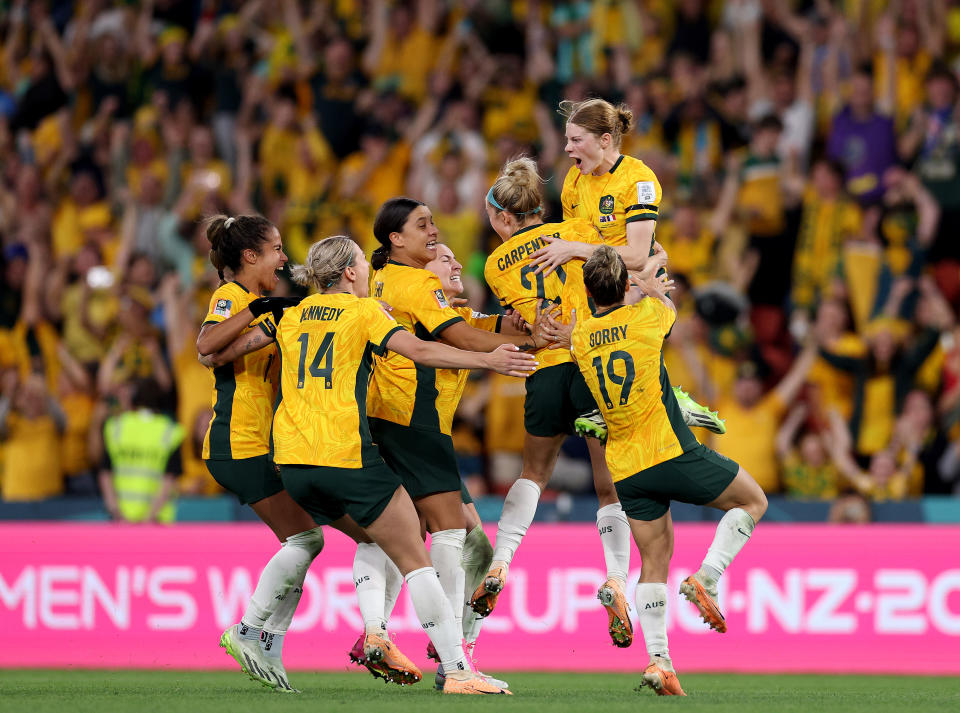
504, 359
462, 336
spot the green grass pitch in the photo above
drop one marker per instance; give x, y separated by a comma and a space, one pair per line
193, 692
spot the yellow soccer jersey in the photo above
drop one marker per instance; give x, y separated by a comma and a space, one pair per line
618, 353
628, 192
244, 389
326, 346
451, 382
403, 392
512, 279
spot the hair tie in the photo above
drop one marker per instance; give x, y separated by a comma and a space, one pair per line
493, 201
228, 222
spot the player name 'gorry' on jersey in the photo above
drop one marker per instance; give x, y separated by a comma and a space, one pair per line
618, 352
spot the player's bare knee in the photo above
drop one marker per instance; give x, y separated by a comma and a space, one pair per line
538, 477
758, 507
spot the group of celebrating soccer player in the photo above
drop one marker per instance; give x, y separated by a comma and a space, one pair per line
337, 409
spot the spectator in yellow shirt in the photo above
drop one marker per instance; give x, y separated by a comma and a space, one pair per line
805, 463
31, 422
883, 480
753, 418
403, 47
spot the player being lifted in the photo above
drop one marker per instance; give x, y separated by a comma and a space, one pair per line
322, 439
653, 456
621, 196
556, 393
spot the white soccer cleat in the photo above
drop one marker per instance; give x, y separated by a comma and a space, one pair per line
248, 654
279, 673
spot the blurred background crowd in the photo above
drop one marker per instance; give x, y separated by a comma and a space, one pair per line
809, 154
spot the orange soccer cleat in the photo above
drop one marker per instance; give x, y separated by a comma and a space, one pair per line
469, 683
692, 588
384, 655
618, 613
662, 681
484, 599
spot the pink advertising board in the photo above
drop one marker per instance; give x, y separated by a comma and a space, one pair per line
798, 598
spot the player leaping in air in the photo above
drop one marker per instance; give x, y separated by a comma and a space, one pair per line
621, 196
652, 455
556, 393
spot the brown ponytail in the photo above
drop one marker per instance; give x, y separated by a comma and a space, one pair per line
229, 237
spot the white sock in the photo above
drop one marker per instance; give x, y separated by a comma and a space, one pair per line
733, 531
446, 551
287, 567
614, 532
392, 592
477, 556
519, 507
274, 631
651, 601
370, 579
248, 632
436, 617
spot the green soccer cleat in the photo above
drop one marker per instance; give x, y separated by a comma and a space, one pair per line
698, 416
591, 425
247, 653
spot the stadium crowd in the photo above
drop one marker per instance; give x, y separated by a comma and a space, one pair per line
809, 154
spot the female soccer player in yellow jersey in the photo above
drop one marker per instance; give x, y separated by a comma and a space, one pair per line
477, 549
377, 594
653, 456
237, 338
323, 443
621, 196
402, 403
556, 393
